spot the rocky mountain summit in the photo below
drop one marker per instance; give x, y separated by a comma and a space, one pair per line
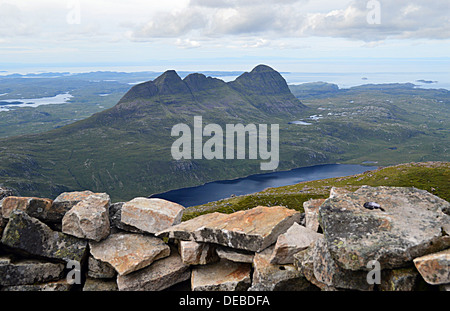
80, 241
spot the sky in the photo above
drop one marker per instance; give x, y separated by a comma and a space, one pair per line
289, 35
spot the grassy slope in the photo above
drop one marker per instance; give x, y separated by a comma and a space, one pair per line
431, 176
132, 158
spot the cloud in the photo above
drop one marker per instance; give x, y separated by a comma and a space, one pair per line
12, 22
401, 19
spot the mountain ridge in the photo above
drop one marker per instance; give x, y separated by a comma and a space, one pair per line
126, 149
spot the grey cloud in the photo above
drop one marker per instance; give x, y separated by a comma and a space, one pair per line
288, 18
171, 24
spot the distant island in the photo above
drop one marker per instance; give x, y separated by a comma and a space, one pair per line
426, 81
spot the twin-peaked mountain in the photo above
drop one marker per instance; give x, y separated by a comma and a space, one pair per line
125, 150
255, 95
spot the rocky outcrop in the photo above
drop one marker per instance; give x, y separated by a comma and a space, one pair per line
411, 224
388, 239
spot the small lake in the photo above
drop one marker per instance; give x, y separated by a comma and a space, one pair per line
8, 104
218, 190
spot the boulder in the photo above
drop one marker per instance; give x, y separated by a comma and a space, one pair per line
193, 253
89, 219
296, 239
399, 280
334, 192
270, 277
221, 276
35, 207
27, 234
434, 268
251, 230
304, 263
410, 223
151, 215
326, 273
128, 252
65, 201
100, 270
27, 271
235, 255
311, 208
115, 219
160, 275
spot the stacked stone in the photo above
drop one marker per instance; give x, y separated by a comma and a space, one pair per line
142, 245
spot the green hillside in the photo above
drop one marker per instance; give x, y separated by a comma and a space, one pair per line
125, 150
433, 177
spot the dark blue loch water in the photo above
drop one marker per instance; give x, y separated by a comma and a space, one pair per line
218, 190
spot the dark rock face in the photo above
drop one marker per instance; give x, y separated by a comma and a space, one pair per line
262, 80
27, 271
33, 237
198, 82
412, 224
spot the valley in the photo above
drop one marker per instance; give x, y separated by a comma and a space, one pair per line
106, 141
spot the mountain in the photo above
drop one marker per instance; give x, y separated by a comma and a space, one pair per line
126, 149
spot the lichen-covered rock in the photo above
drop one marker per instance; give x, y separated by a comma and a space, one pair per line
27, 271
160, 275
221, 276
65, 201
193, 253
434, 268
151, 215
328, 274
335, 191
30, 235
399, 280
89, 219
128, 252
100, 270
411, 223
304, 263
271, 277
296, 239
252, 230
35, 207
311, 208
